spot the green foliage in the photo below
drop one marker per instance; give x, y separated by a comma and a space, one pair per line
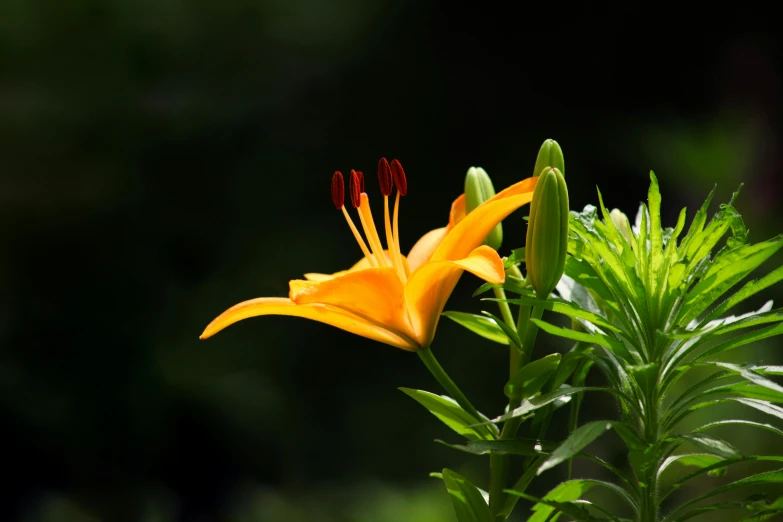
654, 312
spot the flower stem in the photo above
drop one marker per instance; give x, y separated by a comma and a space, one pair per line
505, 312
437, 371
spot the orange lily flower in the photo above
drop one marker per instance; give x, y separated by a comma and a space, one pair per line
386, 296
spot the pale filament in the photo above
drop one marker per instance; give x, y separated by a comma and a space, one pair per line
362, 244
370, 231
391, 240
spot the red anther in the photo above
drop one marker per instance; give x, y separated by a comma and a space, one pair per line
361, 178
357, 180
399, 177
338, 190
385, 177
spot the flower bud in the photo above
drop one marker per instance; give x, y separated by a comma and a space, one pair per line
547, 232
549, 155
478, 189
621, 222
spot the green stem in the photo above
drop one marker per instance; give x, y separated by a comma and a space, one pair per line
505, 313
499, 463
531, 332
437, 371
649, 489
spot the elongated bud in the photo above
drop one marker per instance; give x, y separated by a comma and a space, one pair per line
620, 221
547, 232
478, 189
549, 155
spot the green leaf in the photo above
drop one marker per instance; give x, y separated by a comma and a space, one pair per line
726, 270
564, 492
575, 442
645, 375
750, 288
565, 308
539, 401
451, 414
711, 444
695, 460
721, 464
510, 333
742, 340
524, 447
601, 340
512, 284
751, 391
763, 406
479, 324
753, 503
578, 511
751, 376
697, 225
517, 256
468, 502
656, 241
529, 379
742, 422
570, 361
769, 477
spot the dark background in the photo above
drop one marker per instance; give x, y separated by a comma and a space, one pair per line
161, 161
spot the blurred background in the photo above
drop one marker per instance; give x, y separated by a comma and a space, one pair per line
163, 160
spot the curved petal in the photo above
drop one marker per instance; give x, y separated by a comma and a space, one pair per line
430, 286
321, 313
470, 232
424, 247
362, 264
375, 294
457, 211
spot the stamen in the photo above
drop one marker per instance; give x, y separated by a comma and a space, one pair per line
338, 190
387, 185
357, 184
357, 187
405, 268
362, 244
385, 177
400, 181
338, 198
361, 180
370, 231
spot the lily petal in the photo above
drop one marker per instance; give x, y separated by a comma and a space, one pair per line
457, 211
424, 247
431, 285
375, 294
471, 230
362, 264
316, 312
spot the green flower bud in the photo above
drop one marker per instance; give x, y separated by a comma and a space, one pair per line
621, 222
478, 189
547, 232
549, 155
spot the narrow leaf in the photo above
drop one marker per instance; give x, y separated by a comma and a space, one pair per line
529, 379
565, 308
602, 340
484, 326
575, 442
510, 333
711, 444
451, 414
468, 502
